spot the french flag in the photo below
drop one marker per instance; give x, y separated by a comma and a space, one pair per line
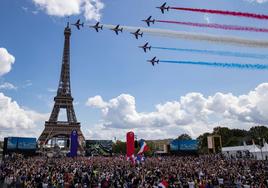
143, 146
163, 184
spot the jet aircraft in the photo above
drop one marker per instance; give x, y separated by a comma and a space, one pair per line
149, 20
97, 26
117, 29
78, 24
163, 8
137, 34
153, 61
145, 47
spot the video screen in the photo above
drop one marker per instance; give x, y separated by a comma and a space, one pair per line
12, 143
184, 145
189, 145
174, 145
99, 147
27, 143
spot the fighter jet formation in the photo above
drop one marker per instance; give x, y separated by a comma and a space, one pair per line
137, 34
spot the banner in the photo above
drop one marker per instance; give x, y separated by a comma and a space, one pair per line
74, 144
210, 145
130, 145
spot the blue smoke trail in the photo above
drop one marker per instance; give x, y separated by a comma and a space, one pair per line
220, 53
222, 65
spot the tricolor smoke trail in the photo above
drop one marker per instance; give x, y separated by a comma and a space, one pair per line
215, 52
220, 65
196, 36
217, 26
224, 12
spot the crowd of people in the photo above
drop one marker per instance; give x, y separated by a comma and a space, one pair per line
205, 171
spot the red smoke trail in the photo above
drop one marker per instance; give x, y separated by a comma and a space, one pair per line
217, 26
224, 12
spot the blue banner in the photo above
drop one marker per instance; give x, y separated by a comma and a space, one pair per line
74, 144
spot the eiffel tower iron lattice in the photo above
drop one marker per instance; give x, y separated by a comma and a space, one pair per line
63, 100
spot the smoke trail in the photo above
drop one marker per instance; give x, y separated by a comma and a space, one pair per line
224, 12
214, 52
217, 26
221, 65
197, 36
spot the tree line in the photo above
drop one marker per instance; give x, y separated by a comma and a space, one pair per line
229, 137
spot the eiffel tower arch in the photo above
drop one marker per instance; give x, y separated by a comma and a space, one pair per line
63, 100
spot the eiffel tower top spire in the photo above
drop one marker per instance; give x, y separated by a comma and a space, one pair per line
64, 88
64, 98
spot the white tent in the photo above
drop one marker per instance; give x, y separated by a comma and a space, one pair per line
264, 152
265, 147
254, 149
234, 150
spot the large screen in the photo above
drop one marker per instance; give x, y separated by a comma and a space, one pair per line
99, 147
12, 142
174, 145
184, 145
188, 145
27, 143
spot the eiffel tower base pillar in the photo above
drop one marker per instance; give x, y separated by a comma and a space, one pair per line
59, 130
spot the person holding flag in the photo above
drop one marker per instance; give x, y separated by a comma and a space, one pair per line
143, 147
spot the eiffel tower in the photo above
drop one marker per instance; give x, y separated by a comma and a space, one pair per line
63, 100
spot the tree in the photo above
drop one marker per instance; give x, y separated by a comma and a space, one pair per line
184, 137
119, 147
203, 142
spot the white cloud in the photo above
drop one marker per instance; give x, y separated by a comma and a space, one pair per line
257, 1
6, 60
7, 86
192, 113
91, 9
16, 120
27, 83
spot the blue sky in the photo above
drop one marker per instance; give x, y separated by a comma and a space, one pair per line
112, 67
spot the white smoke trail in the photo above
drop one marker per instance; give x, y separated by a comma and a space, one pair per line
196, 36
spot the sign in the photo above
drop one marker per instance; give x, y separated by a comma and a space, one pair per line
210, 142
